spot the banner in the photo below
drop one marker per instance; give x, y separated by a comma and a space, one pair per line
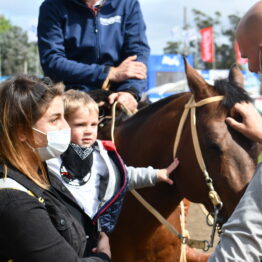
207, 44
239, 59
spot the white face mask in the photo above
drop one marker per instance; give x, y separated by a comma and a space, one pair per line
57, 143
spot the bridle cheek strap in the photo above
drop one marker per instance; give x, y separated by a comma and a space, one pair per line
191, 105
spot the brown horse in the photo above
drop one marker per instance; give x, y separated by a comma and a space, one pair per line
148, 139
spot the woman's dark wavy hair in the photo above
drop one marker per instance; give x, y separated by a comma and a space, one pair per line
23, 101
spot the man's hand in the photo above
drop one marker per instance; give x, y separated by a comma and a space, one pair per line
251, 125
129, 68
125, 99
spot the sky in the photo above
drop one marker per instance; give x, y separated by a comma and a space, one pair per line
163, 18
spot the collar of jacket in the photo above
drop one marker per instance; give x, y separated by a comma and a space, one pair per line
112, 2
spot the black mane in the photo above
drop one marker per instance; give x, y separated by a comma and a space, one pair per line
100, 95
232, 93
157, 105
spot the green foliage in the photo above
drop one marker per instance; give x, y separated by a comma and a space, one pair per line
224, 49
17, 54
173, 48
203, 20
5, 24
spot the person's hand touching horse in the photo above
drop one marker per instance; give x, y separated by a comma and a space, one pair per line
163, 174
251, 121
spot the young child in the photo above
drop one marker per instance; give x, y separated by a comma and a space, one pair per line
92, 170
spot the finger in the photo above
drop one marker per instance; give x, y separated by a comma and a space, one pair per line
240, 108
126, 96
131, 106
112, 98
169, 181
137, 67
131, 58
136, 75
172, 166
233, 123
127, 99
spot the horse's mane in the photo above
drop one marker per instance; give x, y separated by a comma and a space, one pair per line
157, 105
232, 93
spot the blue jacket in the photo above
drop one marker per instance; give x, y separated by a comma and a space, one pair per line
78, 48
108, 214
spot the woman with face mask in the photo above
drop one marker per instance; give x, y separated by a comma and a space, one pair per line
40, 220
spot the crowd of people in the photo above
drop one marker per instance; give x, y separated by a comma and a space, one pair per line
61, 189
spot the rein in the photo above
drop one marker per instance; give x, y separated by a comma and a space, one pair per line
125, 109
213, 195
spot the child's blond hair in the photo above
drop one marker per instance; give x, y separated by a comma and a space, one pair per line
75, 99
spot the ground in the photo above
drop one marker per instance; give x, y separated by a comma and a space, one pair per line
196, 225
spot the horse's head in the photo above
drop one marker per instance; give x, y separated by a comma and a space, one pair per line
230, 157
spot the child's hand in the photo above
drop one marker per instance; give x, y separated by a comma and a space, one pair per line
163, 174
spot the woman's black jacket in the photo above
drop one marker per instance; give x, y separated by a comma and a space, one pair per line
48, 226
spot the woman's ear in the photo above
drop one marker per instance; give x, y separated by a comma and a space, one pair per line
21, 135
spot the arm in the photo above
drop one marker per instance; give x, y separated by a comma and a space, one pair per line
30, 233
53, 54
251, 124
147, 176
139, 177
242, 234
135, 43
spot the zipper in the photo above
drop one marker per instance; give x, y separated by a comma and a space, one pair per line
97, 37
114, 198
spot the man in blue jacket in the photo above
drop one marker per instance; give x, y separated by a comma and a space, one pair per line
90, 44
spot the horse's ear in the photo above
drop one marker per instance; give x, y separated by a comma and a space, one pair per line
235, 76
196, 82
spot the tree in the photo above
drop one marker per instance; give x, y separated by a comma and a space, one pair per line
203, 20
17, 54
5, 24
224, 50
173, 47
226, 55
